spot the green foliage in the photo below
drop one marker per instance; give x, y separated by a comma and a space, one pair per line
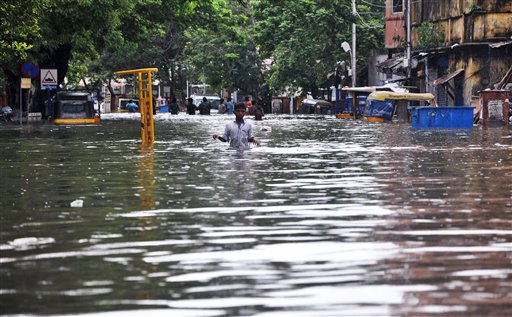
223, 54
399, 40
475, 7
429, 35
221, 42
19, 28
76, 73
303, 39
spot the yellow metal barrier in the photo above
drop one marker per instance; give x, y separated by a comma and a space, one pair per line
145, 101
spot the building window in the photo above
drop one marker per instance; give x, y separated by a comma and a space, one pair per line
398, 6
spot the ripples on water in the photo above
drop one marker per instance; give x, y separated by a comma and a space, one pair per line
326, 218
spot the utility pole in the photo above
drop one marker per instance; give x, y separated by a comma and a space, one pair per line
354, 72
408, 34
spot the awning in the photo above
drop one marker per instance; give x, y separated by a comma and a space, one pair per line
447, 78
500, 44
391, 63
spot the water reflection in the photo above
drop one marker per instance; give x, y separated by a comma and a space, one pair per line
146, 180
326, 218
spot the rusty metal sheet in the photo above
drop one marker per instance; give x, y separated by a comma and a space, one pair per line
447, 78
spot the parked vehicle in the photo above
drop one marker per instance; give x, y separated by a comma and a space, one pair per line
361, 93
214, 100
381, 105
72, 107
316, 106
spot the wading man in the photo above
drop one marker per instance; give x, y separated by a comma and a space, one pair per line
238, 132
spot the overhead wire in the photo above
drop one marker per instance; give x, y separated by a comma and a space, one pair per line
373, 4
363, 21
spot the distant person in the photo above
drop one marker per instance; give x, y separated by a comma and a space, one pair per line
277, 106
230, 107
222, 107
183, 105
205, 107
248, 105
132, 106
258, 112
191, 107
173, 107
238, 132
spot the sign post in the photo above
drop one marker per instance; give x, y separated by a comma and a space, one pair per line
25, 83
145, 101
28, 71
49, 82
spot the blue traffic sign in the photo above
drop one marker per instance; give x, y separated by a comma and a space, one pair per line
30, 70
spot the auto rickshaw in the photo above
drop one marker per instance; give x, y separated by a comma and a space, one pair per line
72, 107
316, 106
382, 105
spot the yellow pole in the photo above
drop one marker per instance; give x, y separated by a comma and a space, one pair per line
141, 108
145, 102
150, 110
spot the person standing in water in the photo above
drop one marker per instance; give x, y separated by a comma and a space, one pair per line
205, 107
230, 106
191, 107
238, 132
258, 111
173, 107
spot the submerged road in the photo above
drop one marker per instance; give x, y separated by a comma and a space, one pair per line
326, 217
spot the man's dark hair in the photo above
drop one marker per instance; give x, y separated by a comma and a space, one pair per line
239, 105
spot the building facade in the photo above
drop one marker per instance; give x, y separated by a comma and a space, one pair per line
459, 47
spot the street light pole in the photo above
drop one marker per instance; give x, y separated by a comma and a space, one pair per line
346, 47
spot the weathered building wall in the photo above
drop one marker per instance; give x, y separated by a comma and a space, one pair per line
395, 32
470, 31
483, 67
395, 27
464, 21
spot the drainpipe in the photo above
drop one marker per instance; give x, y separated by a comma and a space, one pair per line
354, 72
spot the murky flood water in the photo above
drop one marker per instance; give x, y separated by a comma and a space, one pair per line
326, 218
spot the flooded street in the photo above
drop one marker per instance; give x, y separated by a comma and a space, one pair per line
326, 217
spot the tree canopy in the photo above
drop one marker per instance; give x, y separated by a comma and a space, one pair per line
258, 46
303, 39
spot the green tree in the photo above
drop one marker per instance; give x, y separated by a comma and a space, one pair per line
225, 55
303, 38
78, 29
157, 37
20, 28
429, 35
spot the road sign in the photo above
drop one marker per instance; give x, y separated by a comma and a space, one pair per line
29, 70
26, 83
48, 79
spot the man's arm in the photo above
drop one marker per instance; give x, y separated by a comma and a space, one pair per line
251, 138
217, 137
223, 138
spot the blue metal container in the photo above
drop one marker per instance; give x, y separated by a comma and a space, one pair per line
442, 117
